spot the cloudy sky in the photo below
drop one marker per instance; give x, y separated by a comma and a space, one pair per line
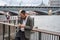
22, 2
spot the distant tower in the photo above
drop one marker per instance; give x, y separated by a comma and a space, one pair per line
42, 4
5, 5
10, 2
20, 2
55, 3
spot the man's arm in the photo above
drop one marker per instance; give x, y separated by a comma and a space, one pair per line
31, 24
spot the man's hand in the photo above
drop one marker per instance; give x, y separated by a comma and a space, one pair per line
22, 26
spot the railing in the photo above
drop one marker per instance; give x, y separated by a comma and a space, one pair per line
8, 33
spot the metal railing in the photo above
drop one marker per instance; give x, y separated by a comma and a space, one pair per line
8, 30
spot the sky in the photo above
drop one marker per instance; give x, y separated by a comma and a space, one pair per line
22, 2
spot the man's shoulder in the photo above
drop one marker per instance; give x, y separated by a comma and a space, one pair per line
30, 18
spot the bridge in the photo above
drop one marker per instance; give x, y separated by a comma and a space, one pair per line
15, 9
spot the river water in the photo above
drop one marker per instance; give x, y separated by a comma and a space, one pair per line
50, 23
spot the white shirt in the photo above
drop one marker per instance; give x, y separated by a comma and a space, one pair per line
24, 23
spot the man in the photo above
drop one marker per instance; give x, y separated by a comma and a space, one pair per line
25, 26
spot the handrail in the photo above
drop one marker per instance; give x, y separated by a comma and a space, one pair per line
36, 29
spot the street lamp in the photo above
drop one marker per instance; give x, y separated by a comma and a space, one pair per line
50, 12
8, 16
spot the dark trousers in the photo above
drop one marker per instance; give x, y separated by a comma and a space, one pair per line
17, 38
20, 35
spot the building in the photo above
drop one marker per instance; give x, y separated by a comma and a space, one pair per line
54, 3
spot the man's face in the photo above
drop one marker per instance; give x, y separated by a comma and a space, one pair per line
22, 15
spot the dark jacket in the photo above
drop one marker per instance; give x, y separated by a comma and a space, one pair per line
29, 26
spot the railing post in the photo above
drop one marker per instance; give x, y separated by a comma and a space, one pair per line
59, 37
39, 35
3, 30
9, 33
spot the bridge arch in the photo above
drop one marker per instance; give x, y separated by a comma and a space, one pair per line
5, 13
57, 12
41, 12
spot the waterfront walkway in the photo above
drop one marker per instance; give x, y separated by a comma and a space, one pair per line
37, 34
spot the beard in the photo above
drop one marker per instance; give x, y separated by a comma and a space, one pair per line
24, 18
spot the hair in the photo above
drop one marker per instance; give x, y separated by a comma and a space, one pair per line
21, 11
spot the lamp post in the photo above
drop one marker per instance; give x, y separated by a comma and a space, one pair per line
50, 12
8, 17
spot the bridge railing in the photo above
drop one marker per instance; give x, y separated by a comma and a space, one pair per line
8, 31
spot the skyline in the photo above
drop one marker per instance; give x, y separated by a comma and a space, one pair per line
22, 2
